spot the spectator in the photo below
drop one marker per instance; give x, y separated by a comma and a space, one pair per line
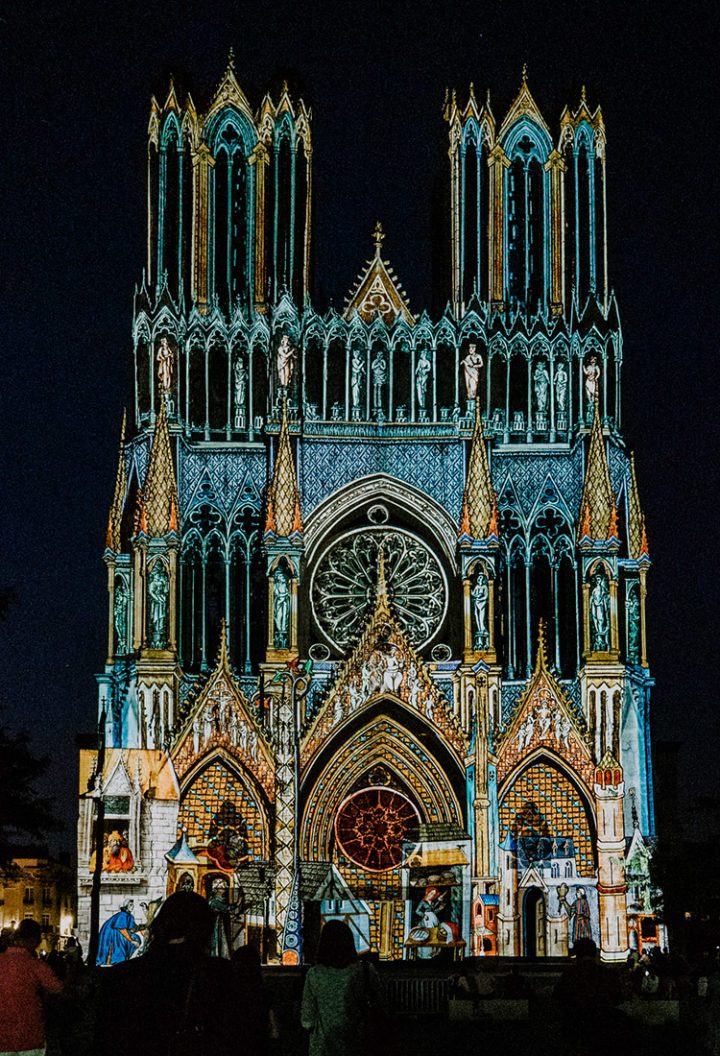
588, 993
341, 997
175, 999
259, 1026
24, 980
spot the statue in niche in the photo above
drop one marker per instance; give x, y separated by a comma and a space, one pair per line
286, 356
165, 363
541, 384
356, 375
422, 372
379, 371
240, 379
281, 609
633, 622
120, 615
591, 371
158, 589
600, 613
480, 595
392, 676
561, 388
471, 365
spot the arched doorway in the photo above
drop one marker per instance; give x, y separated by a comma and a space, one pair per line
534, 920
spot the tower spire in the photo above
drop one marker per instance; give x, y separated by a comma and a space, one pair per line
113, 540
283, 516
598, 513
160, 491
637, 538
479, 508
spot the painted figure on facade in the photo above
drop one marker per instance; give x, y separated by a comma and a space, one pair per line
633, 622
600, 612
541, 383
286, 356
165, 364
119, 937
480, 594
561, 388
357, 374
422, 372
117, 856
220, 942
281, 609
578, 913
120, 614
592, 376
472, 364
240, 381
158, 588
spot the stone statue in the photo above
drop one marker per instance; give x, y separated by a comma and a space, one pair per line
600, 613
120, 615
561, 388
165, 363
541, 384
281, 609
286, 356
392, 676
592, 376
240, 376
356, 376
158, 588
471, 365
633, 622
422, 371
480, 594
379, 370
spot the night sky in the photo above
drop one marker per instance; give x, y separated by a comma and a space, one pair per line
77, 84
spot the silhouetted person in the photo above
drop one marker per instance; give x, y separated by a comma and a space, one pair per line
589, 993
339, 996
259, 1024
174, 999
24, 981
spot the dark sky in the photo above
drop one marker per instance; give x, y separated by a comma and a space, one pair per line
77, 83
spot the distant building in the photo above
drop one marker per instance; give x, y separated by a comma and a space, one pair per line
376, 636
39, 888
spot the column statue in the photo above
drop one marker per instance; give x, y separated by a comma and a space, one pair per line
165, 363
592, 376
286, 356
471, 365
281, 610
120, 615
600, 613
541, 384
480, 594
356, 376
633, 622
379, 371
240, 379
561, 388
422, 371
158, 589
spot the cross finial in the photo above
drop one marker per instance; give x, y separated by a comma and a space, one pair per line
542, 646
583, 95
378, 237
382, 581
231, 58
524, 73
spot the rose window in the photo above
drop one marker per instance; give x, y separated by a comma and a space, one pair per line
372, 825
344, 585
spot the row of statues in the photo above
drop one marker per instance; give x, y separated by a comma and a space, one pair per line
472, 363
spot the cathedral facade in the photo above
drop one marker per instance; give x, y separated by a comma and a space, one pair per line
376, 640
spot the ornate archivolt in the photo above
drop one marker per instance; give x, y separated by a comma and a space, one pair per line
381, 745
380, 488
220, 719
383, 666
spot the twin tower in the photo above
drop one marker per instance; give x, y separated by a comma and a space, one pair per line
376, 580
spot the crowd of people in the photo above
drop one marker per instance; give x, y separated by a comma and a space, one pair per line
177, 1000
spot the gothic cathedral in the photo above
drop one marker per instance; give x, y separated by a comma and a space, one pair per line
376, 638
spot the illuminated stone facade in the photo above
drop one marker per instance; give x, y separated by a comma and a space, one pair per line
376, 581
